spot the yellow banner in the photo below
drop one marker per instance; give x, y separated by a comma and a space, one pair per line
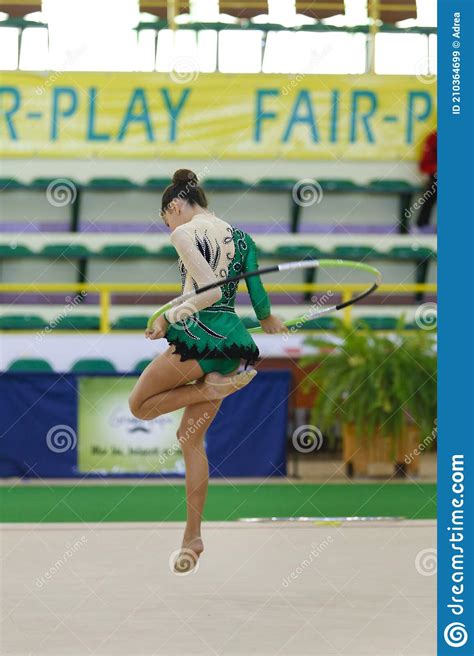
202, 116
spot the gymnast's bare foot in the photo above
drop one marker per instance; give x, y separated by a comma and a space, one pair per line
188, 557
217, 386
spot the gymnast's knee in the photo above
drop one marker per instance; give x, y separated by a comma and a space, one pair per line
139, 410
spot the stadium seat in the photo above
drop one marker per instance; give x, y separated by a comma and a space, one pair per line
356, 253
10, 184
411, 253
22, 322
225, 184
377, 323
33, 365
78, 323
275, 184
93, 365
112, 184
321, 323
122, 251
168, 252
298, 252
132, 322
12, 250
157, 183
141, 365
332, 185
66, 251
42, 184
391, 186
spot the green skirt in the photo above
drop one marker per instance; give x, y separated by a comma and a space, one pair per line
212, 334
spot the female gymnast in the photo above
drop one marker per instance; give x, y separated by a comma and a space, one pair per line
207, 339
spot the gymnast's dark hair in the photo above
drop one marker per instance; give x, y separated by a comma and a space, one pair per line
185, 185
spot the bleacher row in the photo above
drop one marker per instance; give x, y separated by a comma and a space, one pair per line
105, 258
146, 260
133, 251
91, 322
120, 204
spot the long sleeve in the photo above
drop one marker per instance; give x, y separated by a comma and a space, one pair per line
200, 271
258, 295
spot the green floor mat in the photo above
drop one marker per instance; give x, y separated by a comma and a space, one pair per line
143, 503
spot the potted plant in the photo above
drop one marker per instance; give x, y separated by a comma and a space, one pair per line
381, 387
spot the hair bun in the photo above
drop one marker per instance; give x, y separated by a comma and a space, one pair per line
183, 176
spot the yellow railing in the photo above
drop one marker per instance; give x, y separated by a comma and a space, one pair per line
105, 290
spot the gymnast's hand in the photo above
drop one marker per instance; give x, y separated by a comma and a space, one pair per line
273, 325
158, 329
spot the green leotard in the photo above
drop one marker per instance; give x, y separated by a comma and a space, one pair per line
214, 335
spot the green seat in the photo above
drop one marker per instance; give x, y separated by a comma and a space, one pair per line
337, 184
168, 252
261, 252
141, 365
57, 182
156, 25
11, 250
93, 365
137, 322
22, 322
298, 252
124, 251
80, 322
411, 253
391, 186
31, 365
21, 23
319, 323
225, 184
377, 323
157, 183
275, 184
108, 184
356, 252
250, 322
10, 184
68, 251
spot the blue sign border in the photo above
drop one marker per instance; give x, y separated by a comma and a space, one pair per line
455, 322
